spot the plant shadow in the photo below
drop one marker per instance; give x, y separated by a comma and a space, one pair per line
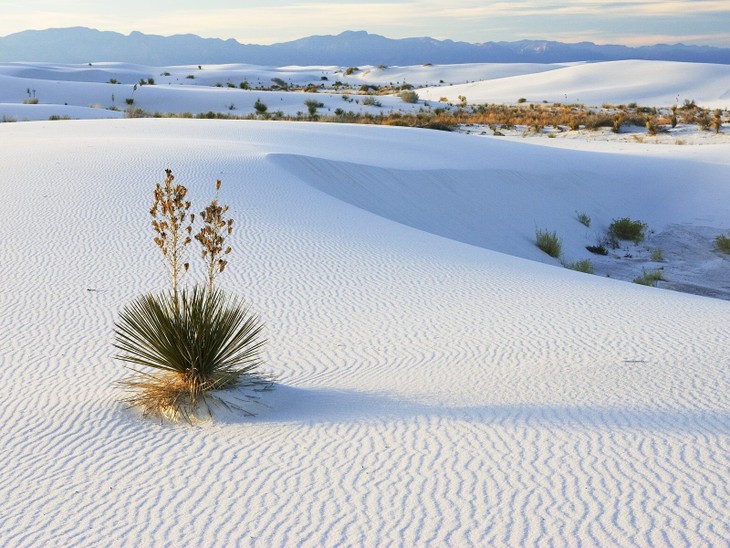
290, 404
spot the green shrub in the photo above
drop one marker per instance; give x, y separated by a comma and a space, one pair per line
627, 229
31, 101
649, 277
371, 101
657, 255
260, 107
548, 242
722, 243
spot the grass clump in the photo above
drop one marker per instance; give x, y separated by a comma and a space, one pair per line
583, 218
627, 229
722, 243
183, 344
657, 255
584, 265
649, 277
548, 242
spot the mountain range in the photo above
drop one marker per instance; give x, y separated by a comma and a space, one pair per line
81, 45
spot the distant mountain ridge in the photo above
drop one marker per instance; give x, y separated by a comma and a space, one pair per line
81, 45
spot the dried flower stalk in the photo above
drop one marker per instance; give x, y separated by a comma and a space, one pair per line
212, 237
172, 225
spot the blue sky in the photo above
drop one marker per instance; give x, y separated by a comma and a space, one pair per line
264, 22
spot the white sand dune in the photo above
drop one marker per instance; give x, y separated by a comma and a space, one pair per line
652, 83
431, 390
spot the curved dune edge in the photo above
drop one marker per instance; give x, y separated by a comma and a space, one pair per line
430, 392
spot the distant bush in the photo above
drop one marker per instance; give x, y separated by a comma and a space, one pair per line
722, 243
627, 229
657, 255
260, 107
548, 242
351, 70
371, 101
30, 101
312, 106
521, 100
649, 277
409, 96
278, 83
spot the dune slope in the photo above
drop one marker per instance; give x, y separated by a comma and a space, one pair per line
430, 391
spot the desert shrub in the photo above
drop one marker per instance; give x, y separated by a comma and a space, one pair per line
583, 218
350, 70
312, 106
548, 242
195, 340
722, 243
408, 96
521, 100
260, 107
584, 265
244, 85
627, 229
30, 101
649, 277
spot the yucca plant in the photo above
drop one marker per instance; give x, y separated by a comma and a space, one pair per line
200, 341
184, 343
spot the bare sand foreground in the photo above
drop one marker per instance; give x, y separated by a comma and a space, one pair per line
431, 391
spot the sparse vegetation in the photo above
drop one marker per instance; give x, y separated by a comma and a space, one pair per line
548, 242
